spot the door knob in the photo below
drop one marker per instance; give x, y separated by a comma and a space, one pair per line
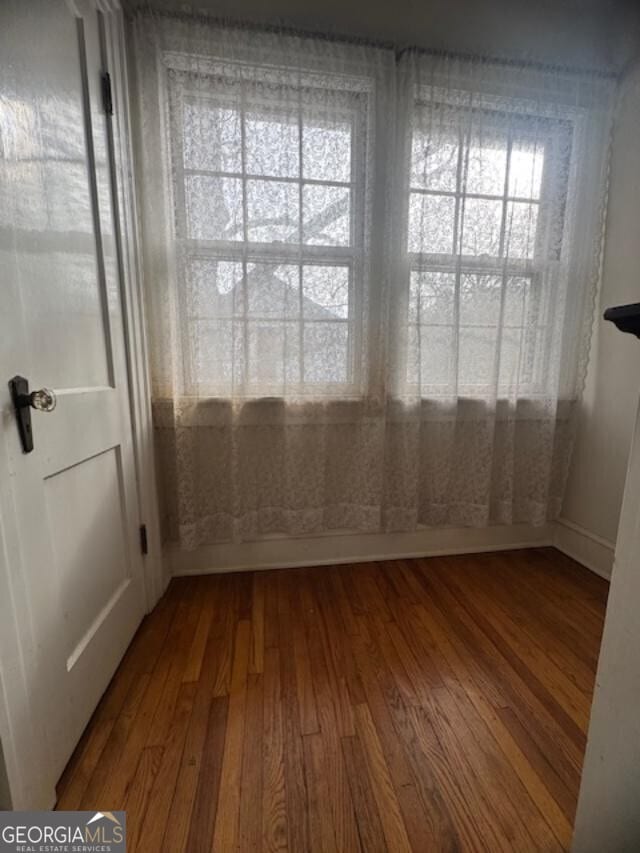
43, 400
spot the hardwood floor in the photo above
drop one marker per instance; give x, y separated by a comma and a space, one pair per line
429, 705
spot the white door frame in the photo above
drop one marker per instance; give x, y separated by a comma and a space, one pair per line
22, 731
123, 177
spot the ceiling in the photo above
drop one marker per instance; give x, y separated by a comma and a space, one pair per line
603, 34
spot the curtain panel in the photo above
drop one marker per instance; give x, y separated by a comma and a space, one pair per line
370, 280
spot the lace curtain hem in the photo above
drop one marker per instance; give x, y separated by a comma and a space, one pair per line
227, 482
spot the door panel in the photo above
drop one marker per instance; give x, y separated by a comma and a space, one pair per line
64, 303
62, 327
85, 588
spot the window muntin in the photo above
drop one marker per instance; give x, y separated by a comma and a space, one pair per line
268, 184
270, 199
485, 223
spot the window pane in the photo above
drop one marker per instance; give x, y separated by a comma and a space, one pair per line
325, 352
214, 207
480, 298
215, 288
510, 349
274, 353
477, 355
486, 168
211, 138
272, 212
521, 229
217, 352
480, 227
534, 356
431, 223
413, 355
516, 302
522, 356
272, 145
325, 292
434, 160
273, 290
430, 358
525, 169
326, 215
326, 150
431, 297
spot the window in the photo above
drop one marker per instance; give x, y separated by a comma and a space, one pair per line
288, 192
270, 185
485, 221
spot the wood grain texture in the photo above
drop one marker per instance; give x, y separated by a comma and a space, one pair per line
436, 704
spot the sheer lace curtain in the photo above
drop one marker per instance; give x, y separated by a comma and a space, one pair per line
370, 280
499, 203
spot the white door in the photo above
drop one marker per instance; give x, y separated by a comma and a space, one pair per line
61, 327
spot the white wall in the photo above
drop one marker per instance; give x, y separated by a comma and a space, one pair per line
598, 468
608, 815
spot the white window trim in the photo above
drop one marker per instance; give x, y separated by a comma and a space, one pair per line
353, 256
551, 200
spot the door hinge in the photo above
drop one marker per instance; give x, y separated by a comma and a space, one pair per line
144, 546
107, 98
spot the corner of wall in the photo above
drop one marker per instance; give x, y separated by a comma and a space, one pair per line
592, 551
587, 529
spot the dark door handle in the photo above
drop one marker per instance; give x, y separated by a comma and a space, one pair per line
626, 318
43, 400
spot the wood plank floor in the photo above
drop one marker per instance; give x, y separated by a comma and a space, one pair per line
429, 705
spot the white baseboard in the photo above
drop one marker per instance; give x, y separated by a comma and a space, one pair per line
283, 553
592, 551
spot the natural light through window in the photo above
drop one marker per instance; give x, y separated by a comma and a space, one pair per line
270, 239
478, 244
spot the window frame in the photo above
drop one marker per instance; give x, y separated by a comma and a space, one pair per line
357, 109
510, 118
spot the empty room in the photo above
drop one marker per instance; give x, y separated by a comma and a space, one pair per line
320, 436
